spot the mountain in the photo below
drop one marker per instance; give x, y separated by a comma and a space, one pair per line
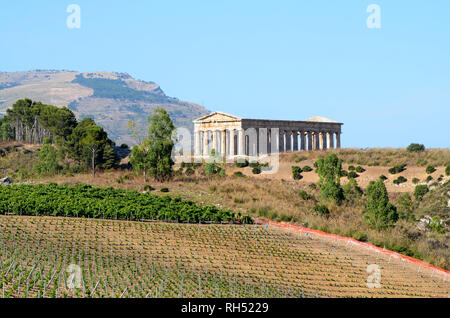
111, 99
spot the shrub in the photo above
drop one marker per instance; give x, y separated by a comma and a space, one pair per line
400, 180
239, 174
447, 170
420, 191
164, 190
242, 164
304, 195
351, 168
26, 151
360, 169
307, 169
379, 212
321, 210
435, 224
124, 146
415, 180
246, 219
256, 170
397, 169
301, 158
189, 171
313, 186
148, 187
344, 173
430, 169
415, 148
428, 179
352, 175
383, 177
296, 172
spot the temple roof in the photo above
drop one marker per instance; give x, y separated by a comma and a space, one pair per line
321, 119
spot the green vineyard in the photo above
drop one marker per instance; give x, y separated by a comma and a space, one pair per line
107, 203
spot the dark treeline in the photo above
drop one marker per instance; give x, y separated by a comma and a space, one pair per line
83, 142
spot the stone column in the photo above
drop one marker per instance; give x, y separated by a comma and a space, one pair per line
205, 143
330, 141
241, 145
281, 141
317, 141
310, 141
288, 141
324, 141
232, 153
269, 141
338, 140
320, 135
223, 146
302, 140
197, 143
295, 137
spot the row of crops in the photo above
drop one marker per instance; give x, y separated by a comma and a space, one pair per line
108, 203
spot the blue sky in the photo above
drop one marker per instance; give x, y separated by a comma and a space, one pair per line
260, 59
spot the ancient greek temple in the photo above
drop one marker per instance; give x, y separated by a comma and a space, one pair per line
232, 136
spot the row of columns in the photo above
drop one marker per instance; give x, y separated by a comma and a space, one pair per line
233, 142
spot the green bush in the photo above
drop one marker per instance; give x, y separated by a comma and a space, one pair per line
307, 169
304, 195
400, 180
415, 148
430, 169
435, 224
397, 169
360, 169
415, 180
321, 210
164, 190
296, 172
383, 177
447, 170
239, 174
242, 163
351, 168
352, 175
344, 173
428, 179
148, 187
256, 170
420, 191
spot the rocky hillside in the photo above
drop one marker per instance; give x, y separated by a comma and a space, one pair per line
111, 99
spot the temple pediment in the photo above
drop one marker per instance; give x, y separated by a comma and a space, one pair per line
217, 117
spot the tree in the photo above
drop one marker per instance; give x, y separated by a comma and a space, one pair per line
379, 212
352, 191
405, 207
420, 191
48, 162
154, 154
110, 157
329, 171
93, 141
415, 148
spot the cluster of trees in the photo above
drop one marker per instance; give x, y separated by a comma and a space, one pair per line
378, 213
62, 136
87, 201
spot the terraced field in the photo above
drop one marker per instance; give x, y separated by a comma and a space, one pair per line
142, 259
